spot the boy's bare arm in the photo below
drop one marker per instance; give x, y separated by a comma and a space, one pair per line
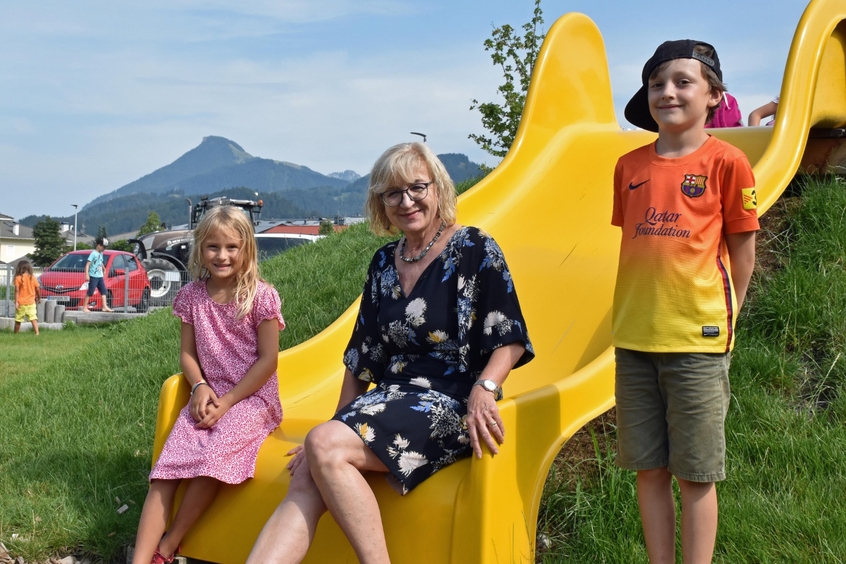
741, 249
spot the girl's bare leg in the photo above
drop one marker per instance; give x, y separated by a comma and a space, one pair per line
198, 496
154, 516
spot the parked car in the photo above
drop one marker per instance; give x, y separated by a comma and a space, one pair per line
63, 281
270, 244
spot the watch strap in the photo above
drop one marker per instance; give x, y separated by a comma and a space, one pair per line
490, 386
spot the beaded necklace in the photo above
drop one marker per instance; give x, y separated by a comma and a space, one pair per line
426, 250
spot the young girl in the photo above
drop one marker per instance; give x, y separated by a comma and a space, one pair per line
27, 294
228, 353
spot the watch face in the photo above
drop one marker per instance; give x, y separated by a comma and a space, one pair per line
489, 385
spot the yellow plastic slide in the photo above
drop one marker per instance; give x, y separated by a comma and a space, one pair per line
548, 204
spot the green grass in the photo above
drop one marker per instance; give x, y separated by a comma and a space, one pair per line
78, 409
318, 282
783, 500
75, 433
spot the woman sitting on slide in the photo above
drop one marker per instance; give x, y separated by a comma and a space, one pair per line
438, 331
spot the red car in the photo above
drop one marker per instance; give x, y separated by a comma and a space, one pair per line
63, 280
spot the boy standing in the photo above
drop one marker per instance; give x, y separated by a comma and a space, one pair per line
687, 208
94, 275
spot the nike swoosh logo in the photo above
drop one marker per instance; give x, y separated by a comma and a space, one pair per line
636, 186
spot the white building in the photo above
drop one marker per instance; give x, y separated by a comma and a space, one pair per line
16, 240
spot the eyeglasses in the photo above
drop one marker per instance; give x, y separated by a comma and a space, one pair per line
415, 192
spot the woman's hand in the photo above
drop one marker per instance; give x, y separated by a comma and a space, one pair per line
299, 456
483, 421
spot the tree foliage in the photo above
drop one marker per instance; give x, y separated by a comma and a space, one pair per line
326, 228
121, 245
101, 233
152, 224
49, 243
516, 56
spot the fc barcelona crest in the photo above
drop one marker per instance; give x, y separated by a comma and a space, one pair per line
693, 185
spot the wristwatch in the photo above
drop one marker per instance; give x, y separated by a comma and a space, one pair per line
490, 386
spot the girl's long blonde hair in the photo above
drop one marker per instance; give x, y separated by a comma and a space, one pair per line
247, 277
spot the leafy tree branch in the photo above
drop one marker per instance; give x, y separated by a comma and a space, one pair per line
515, 55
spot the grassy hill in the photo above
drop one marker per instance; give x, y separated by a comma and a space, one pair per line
76, 427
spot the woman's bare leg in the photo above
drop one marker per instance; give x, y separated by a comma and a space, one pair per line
287, 535
337, 457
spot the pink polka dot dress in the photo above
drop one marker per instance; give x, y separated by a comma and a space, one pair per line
227, 348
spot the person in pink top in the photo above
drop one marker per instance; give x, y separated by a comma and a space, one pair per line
727, 114
229, 347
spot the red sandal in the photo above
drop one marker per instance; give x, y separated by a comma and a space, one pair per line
159, 559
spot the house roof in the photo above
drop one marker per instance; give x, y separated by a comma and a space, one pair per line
6, 230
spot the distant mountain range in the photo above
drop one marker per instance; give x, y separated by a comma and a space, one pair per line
220, 167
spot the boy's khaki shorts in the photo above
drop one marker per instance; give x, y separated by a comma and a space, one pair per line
671, 412
26, 310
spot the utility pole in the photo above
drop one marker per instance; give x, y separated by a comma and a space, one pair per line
75, 209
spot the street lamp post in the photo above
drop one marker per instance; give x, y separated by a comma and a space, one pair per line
75, 209
190, 209
423, 135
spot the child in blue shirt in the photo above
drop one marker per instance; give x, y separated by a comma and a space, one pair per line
94, 270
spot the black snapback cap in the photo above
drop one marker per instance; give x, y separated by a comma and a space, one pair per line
637, 110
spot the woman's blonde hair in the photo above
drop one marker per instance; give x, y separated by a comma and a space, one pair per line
396, 168
247, 278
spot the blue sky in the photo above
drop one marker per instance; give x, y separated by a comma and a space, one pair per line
96, 94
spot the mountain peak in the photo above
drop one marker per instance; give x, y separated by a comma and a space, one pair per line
214, 141
216, 147
348, 175
212, 153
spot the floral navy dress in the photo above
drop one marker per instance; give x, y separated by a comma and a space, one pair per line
425, 350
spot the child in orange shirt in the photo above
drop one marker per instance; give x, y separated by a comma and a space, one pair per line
686, 205
27, 294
